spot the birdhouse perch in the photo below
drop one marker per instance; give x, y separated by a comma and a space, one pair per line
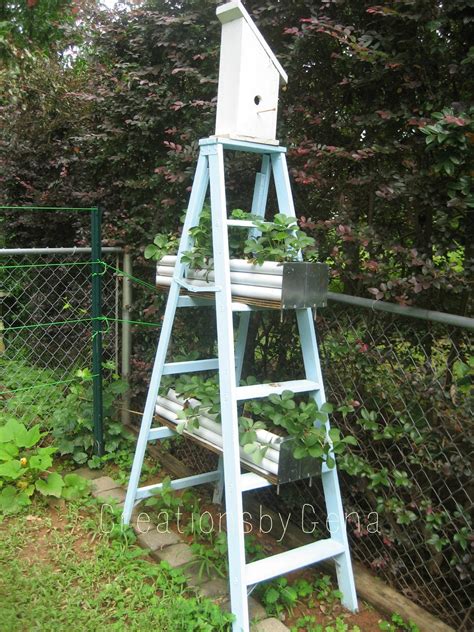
249, 79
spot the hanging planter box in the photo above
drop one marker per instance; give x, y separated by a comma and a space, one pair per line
278, 465
290, 285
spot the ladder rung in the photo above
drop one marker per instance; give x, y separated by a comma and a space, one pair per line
170, 368
196, 301
182, 483
197, 288
245, 307
243, 223
264, 390
160, 433
288, 561
251, 480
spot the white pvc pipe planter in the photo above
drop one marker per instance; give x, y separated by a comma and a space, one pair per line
247, 279
168, 408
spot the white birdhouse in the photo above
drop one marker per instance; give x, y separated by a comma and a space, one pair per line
249, 79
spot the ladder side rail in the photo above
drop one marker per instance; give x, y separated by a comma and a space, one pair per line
312, 365
283, 189
332, 493
244, 320
260, 193
259, 204
282, 185
198, 193
227, 383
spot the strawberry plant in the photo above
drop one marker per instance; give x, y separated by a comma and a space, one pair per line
280, 240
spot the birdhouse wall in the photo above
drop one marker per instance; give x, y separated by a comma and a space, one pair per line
247, 99
258, 98
229, 78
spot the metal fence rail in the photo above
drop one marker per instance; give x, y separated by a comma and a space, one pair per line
407, 487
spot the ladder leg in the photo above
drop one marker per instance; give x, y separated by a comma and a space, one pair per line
219, 486
259, 203
337, 528
260, 193
332, 494
240, 344
282, 185
196, 202
227, 383
242, 332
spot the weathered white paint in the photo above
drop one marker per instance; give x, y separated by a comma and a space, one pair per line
249, 78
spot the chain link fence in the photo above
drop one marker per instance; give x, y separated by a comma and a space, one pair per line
46, 325
407, 486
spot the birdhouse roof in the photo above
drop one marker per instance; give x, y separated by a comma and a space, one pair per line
235, 10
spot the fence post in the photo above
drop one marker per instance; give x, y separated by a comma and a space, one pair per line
126, 332
96, 258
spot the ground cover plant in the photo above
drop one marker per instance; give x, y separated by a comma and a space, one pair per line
25, 468
306, 601
94, 579
63, 408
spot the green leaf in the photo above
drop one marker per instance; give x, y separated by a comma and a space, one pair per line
75, 486
52, 486
150, 251
316, 451
327, 408
350, 440
27, 438
300, 452
7, 432
40, 462
8, 451
272, 595
11, 470
249, 448
12, 500
322, 417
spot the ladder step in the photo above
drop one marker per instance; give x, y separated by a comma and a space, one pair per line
160, 433
288, 561
195, 301
251, 480
264, 390
182, 483
243, 223
170, 368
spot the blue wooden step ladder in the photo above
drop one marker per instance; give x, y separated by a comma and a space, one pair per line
229, 477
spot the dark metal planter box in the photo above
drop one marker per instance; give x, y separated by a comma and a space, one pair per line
304, 285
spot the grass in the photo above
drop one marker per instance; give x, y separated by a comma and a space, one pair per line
60, 572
